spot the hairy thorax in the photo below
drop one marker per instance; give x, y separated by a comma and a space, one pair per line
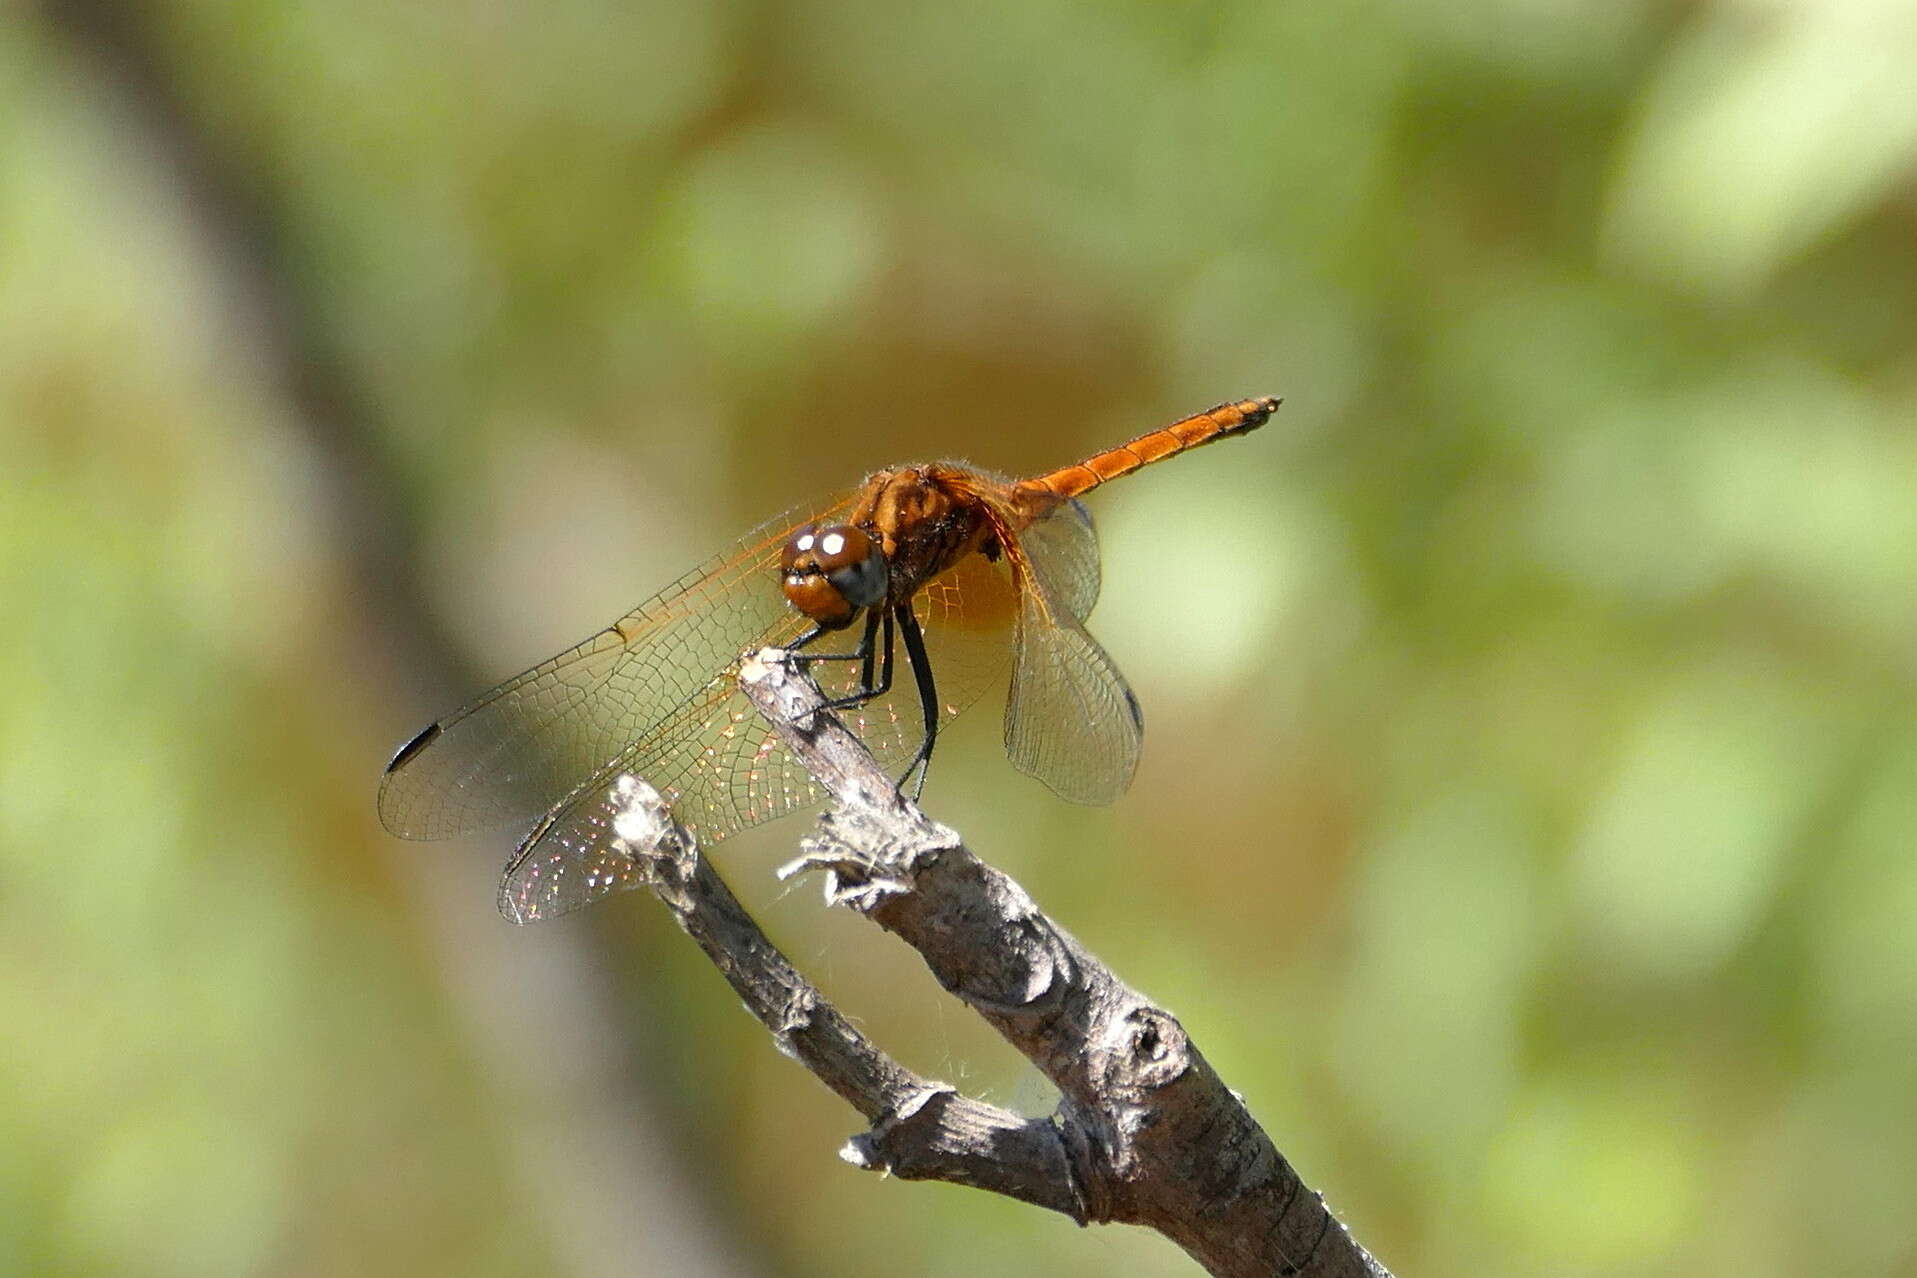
926, 518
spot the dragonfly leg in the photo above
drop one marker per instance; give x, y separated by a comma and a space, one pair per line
819, 632
867, 689
865, 646
928, 699
864, 654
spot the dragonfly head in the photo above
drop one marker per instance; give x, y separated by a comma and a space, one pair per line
831, 573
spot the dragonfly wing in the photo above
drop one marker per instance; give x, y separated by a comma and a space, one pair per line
1064, 547
716, 764
1071, 720
523, 747
722, 768
572, 858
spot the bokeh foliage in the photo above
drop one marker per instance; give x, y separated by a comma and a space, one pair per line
1526, 819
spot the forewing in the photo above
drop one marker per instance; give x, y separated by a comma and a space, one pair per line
523, 747
1071, 720
722, 769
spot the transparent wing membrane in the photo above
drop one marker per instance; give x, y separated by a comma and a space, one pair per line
722, 769
1071, 720
1063, 548
524, 746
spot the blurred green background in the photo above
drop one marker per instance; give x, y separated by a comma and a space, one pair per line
1525, 823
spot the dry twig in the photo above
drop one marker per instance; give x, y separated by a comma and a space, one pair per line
1145, 1132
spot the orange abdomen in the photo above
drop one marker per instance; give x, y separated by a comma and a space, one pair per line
1217, 423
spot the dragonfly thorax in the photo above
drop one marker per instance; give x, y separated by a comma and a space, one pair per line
833, 573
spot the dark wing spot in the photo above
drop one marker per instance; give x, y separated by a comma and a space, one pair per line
412, 748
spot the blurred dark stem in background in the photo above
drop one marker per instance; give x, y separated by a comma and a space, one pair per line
628, 1213
238, 222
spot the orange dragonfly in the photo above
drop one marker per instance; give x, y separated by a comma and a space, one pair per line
941, 559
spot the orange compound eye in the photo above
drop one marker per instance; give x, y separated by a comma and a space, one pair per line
831, 573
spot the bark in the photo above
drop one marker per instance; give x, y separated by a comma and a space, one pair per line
1145, 1131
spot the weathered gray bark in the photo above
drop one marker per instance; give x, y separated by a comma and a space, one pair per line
1145, 1131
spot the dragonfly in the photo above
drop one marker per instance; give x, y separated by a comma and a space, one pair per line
964, 571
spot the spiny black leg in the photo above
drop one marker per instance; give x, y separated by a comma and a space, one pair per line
861, 653
928, 698
867, 689
865, 667
807, 638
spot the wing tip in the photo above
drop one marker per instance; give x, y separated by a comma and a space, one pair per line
405, 753
393, 804
511, 910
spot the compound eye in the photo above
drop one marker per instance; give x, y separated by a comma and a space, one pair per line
802, 544
853, 564
831, 572
841, 546
827, 549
